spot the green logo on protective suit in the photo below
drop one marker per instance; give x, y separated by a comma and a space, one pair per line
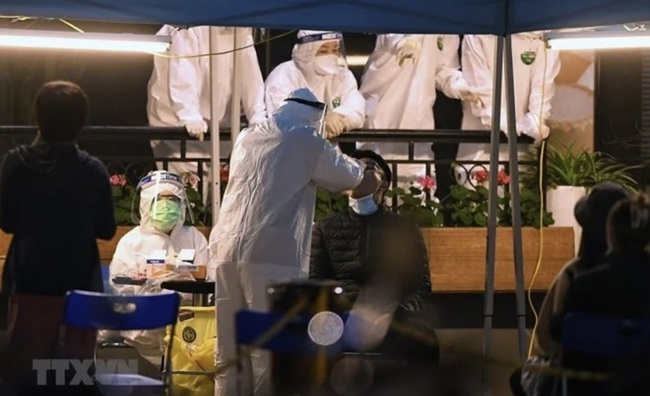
336, 102
528, 57
189, 334
441, 43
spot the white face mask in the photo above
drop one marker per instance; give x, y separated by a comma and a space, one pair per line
363, 206
326, 64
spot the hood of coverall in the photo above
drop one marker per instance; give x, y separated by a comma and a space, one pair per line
304, 55
300, 109
149, 189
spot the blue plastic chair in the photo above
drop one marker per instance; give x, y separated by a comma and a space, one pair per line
124, 312
607, 337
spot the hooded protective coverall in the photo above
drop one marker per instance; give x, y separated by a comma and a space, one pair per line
336, 87
264, 230
179, 90
402, 96
134, 248
535, 69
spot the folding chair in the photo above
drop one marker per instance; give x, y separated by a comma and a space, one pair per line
604, 337
124, 312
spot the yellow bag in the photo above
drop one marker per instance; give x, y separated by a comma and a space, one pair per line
193, 350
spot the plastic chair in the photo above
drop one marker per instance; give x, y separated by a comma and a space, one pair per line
124, 312
605, 337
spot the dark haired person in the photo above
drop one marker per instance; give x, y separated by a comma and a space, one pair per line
56, 201
368, 244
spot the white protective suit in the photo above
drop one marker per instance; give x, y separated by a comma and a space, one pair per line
264, 229
535, 69
339, 91
402, 97
179, 90
133, 249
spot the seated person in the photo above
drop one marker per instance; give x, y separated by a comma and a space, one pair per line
163, 211
369, 243
617, 288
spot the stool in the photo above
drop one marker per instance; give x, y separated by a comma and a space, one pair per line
199, 289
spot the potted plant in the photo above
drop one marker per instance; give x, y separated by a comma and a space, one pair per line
418, 202
569, 175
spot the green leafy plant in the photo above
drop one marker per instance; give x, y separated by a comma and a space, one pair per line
416, 204
328, 203
569, 167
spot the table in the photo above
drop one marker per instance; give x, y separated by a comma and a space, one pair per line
199, 289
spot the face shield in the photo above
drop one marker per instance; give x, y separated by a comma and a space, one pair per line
323, 52
160, 202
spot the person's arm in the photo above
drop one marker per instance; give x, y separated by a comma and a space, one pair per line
336, 171
542, 88
184, 82
449, 78
320, 266
202, 254
353, 105
278, 87
478, 74
105, 225
420, 290
252, 83
9, 195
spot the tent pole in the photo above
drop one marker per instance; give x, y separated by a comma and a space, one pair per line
235, 97
495, 135
516, 204
214, 128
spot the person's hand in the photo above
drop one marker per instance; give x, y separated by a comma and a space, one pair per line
408, 49
335, 125
196, 129
468, 94
370, 183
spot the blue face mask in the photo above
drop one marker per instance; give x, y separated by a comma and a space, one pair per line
363, 206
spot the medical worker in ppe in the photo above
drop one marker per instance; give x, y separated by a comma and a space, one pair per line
264, 230
399, 85
179, 90
534, 68
163, 210
316, 65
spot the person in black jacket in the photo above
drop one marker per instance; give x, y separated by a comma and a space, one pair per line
56, 201
369, 244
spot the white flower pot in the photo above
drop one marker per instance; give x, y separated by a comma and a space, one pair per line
560, 202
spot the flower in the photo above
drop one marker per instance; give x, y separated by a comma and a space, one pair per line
427, 182
224, 174
190, 179
117, 180
480, 176
503, 178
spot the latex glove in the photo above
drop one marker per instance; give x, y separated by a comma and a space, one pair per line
468, 94
196, 129
335, 125
408, 49
530, 127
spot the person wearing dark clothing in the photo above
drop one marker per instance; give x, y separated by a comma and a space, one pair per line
591, 213
616, 288
368, 244
56, 201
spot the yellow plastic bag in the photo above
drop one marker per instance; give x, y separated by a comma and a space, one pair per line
193, 350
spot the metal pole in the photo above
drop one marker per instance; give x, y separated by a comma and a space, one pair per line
235, 98
214, 127
516, 205
488, 307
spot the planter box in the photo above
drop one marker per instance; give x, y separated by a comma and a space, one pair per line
456, 256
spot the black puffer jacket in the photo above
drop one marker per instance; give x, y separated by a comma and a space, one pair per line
354, 249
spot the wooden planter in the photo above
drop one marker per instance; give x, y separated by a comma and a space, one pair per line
456, 256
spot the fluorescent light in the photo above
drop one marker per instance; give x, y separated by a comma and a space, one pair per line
599, 40
356, 60
22, 38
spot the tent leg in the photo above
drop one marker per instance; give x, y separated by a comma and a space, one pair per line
214, 129
516, 204
235, 97
488, 307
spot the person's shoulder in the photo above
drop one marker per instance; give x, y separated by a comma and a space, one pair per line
282, 70
333, 220
92, 162
346, 74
